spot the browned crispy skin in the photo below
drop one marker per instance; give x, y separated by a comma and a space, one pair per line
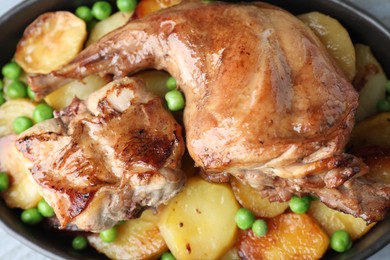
106, 160
262, 94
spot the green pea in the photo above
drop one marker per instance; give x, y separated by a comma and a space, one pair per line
42, 112
167, 256
101, 10
4, 181
84, 13
2, 99
79, 243
260, 228
175, 100
108, 235
45, 209
12, 70
244, 218
30, 93
383, 106
31, 216
126, 5
299, 205
171, 83
340, 241
16, 89
21, 124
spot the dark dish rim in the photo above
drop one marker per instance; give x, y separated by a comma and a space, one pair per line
358, 13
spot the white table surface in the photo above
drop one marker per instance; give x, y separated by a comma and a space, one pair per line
13, 249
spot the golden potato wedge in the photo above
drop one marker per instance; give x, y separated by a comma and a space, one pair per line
137, 239
370, 81
80, 89
335, 38
23, 191
12, 109
290, 236
332, 220
373, 131
107, 25
199, 222
146, 7
50, 42
249, 198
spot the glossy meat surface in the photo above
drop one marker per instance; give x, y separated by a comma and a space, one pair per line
262, 93
269, 91
107, 159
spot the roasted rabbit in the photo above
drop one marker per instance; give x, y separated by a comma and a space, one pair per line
264, 99
107, 159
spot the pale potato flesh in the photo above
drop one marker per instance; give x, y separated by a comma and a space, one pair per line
107, 25
81, 89
251, 199
370, 80
199, 222
335, 38
332, 220
137, 239
23, 191
11, 110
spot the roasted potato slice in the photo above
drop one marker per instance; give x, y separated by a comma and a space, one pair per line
12, 109
199, 222
290, 236
107, 25
137, 239
370, 81
50, 42
373, 131
249, 198
63, 96
335, 38
23, 191
146, 7
332, 220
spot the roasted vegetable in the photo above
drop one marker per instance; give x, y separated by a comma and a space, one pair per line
11, 110
50, 42
136, 239
107, 25
199, 222
146, 7
335, 38
332, 220
370, 81
80, 89
373, 131
23, 190
249, 198
290, 236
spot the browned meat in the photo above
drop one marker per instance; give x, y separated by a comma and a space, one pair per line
262, 94
106, 160
359, 196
